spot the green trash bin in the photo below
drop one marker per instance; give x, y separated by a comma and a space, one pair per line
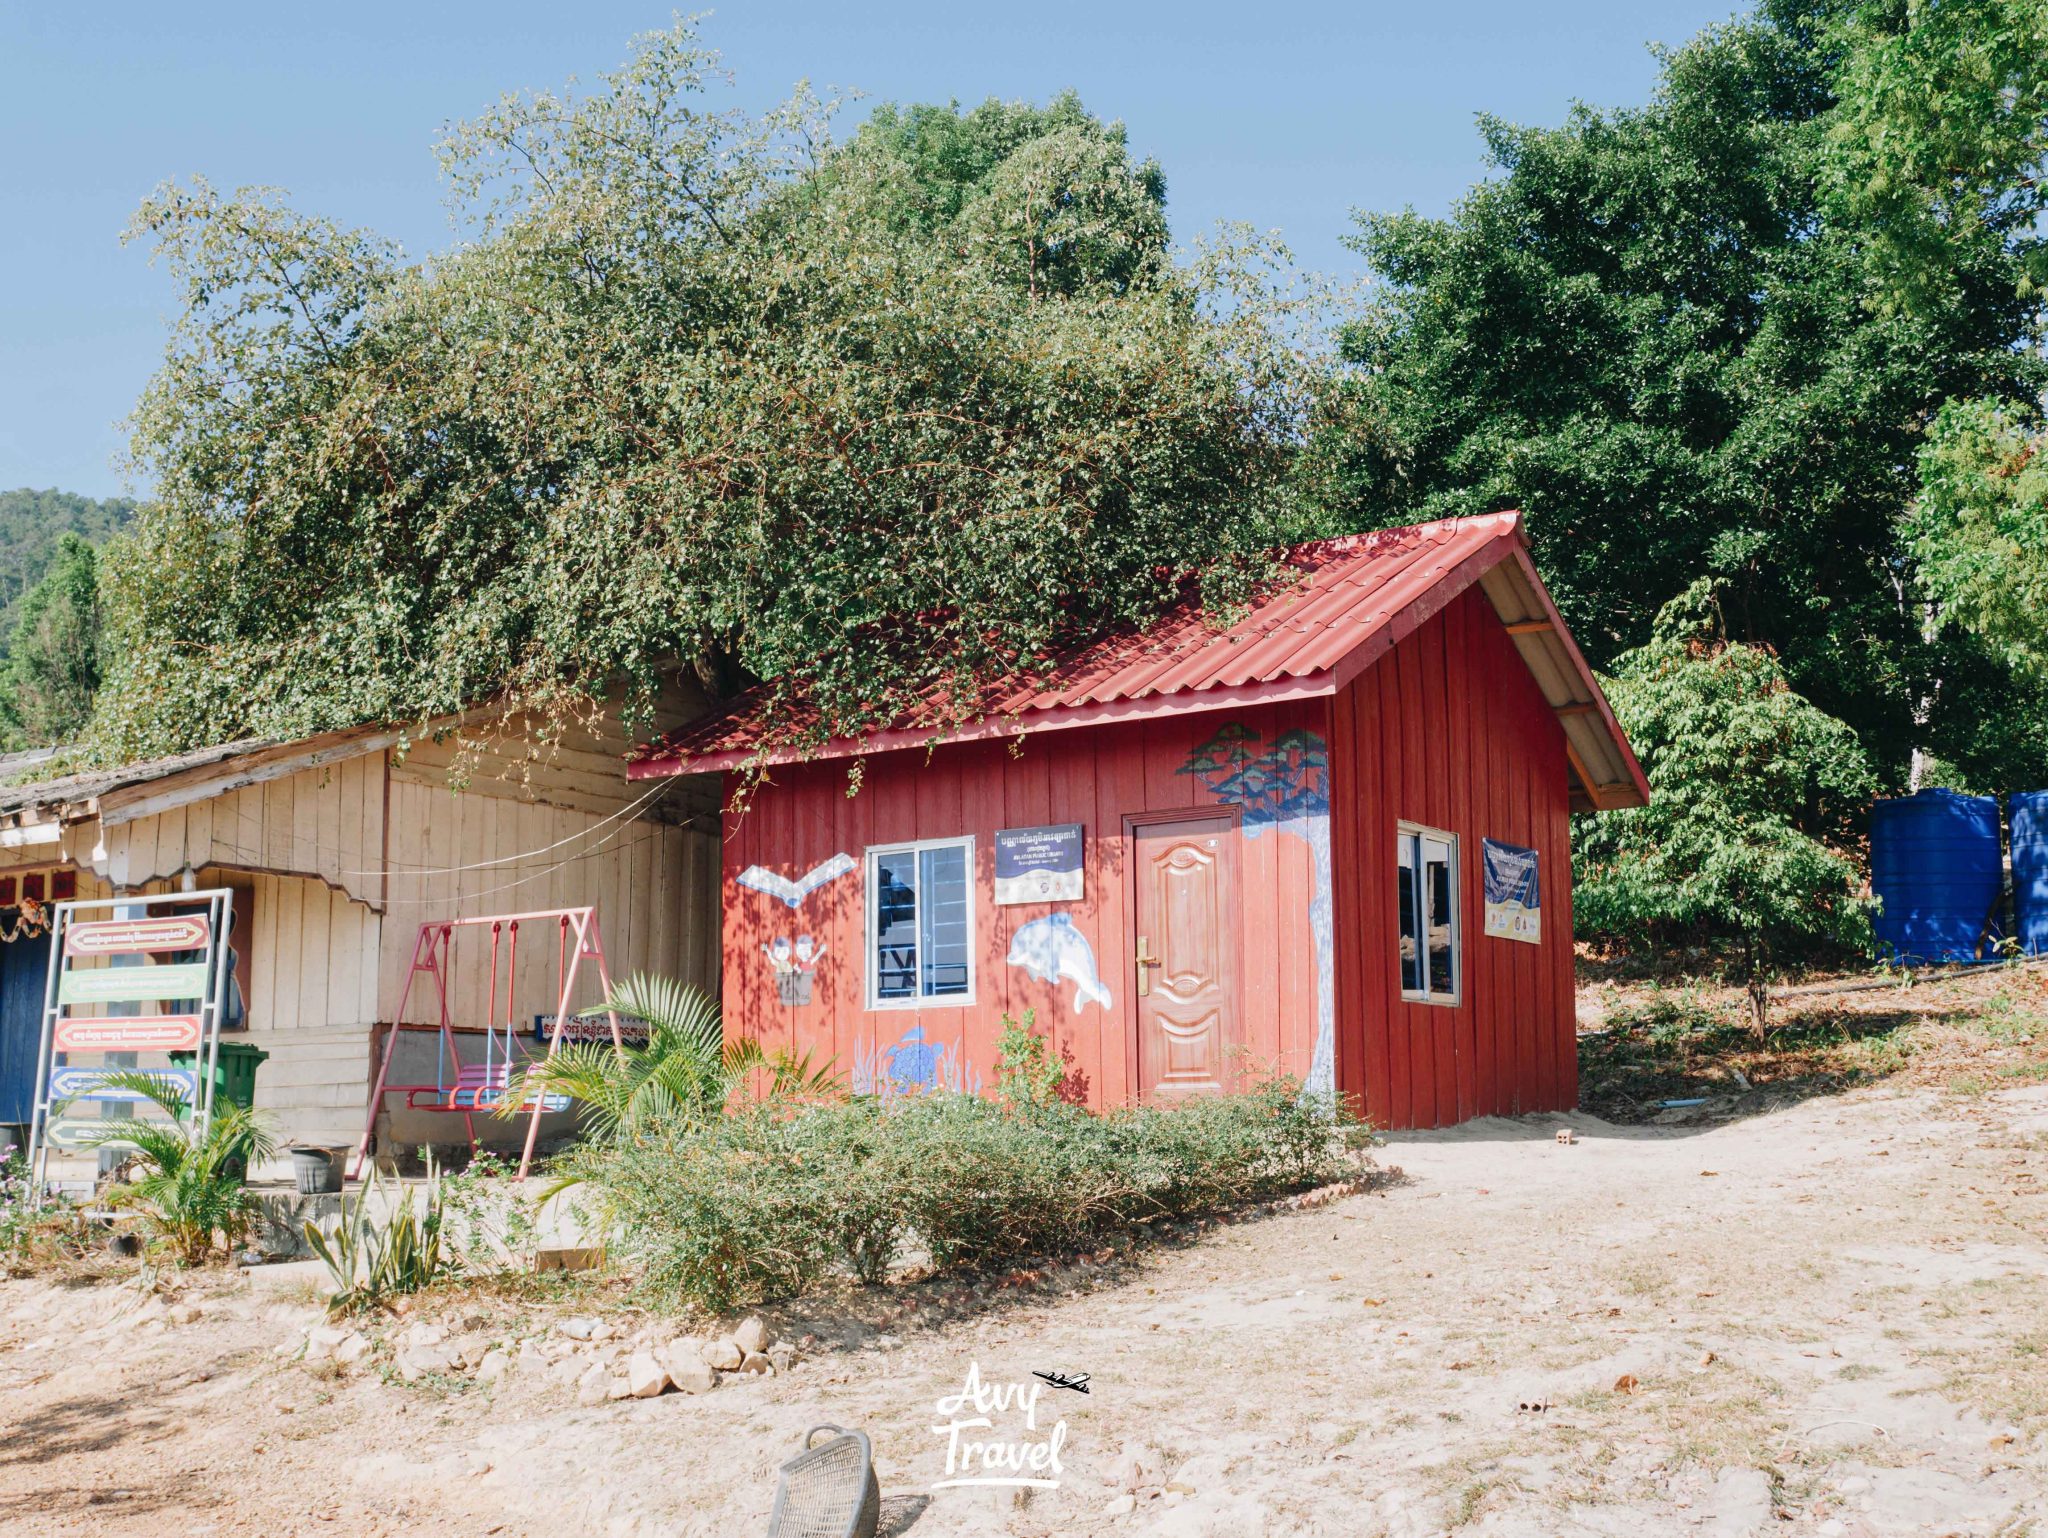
234, 1082
234, 1074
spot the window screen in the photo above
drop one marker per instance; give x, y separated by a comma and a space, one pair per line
1427, 873
921, 921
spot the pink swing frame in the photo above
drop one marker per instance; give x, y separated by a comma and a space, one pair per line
430, 955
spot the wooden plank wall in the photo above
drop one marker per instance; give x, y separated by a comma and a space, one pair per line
1449, 730
1092, 776
465, 853
334, 930
326, 822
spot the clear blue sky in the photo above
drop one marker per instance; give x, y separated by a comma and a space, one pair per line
1288, 116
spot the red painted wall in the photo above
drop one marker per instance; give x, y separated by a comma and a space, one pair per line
1449, 730
1095, 776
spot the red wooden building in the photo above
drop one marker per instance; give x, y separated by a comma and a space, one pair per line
1332, 838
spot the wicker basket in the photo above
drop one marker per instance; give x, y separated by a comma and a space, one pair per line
828, 1490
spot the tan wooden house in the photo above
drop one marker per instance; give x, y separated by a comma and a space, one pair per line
337, 847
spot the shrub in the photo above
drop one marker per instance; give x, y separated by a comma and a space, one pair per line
190, 1188
766, 1202
375, 1258
687, 1071
755, 1205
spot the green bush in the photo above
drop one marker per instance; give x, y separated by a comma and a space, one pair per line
372, 1259
765, 1203
189, 1182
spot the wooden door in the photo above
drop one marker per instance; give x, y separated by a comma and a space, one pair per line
1186, 961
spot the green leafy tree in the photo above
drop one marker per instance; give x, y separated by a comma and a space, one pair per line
1940, 140
31, 525
1045, 197
1668, 336
52, 668
697, 386
1755, 798
1980, 530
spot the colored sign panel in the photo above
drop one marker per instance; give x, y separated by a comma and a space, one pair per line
131, 937
597, 1027
1039, 865
89, 1083
131, 1033
78, 1132
1514, 902
112, 985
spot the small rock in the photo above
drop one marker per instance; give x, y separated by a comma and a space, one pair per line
725, 1355
353, 1349
532, 1351
618, 1388
783, 1356
183, 1313
1133, 1470
323, 1340
419, 1361
592, 1386
567, 1371
688, 1371
756, 1361
753, 1335
579, 1328
645, 1375
424, 1334
1122, 1506
494, 1366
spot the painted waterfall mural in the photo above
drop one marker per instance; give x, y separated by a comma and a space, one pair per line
1286, 786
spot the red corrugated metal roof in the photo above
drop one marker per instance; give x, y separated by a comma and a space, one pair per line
1365, 591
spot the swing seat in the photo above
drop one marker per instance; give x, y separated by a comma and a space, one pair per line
477, 1087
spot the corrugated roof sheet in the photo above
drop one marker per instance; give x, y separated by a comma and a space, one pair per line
1345, 593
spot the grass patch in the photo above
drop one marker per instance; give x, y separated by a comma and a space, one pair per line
1970, 1034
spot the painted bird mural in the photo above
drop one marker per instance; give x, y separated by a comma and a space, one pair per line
1051, 948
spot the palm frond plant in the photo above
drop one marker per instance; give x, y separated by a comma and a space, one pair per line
191, 1186
687, 1073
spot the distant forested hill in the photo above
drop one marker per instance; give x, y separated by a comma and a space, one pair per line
31, 523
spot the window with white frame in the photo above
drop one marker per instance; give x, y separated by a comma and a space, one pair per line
920, 928
1427, 866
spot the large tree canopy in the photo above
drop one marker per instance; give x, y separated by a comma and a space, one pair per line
695, 386
1673, 338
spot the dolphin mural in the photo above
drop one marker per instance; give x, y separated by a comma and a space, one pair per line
1052, 948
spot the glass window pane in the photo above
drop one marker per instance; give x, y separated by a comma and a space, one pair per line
1436, 856
895, 926
942, 926
1411, 950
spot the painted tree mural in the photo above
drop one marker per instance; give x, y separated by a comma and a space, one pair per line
1285, 786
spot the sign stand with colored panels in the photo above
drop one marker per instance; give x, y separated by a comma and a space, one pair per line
97, 963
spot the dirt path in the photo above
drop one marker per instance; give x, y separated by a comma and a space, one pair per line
1824, 1320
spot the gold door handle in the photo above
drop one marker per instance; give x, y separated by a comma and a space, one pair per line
1145, 965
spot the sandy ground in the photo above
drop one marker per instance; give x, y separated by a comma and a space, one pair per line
1826, 1319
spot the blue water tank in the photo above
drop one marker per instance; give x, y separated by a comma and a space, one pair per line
2030, 869
1936, 862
